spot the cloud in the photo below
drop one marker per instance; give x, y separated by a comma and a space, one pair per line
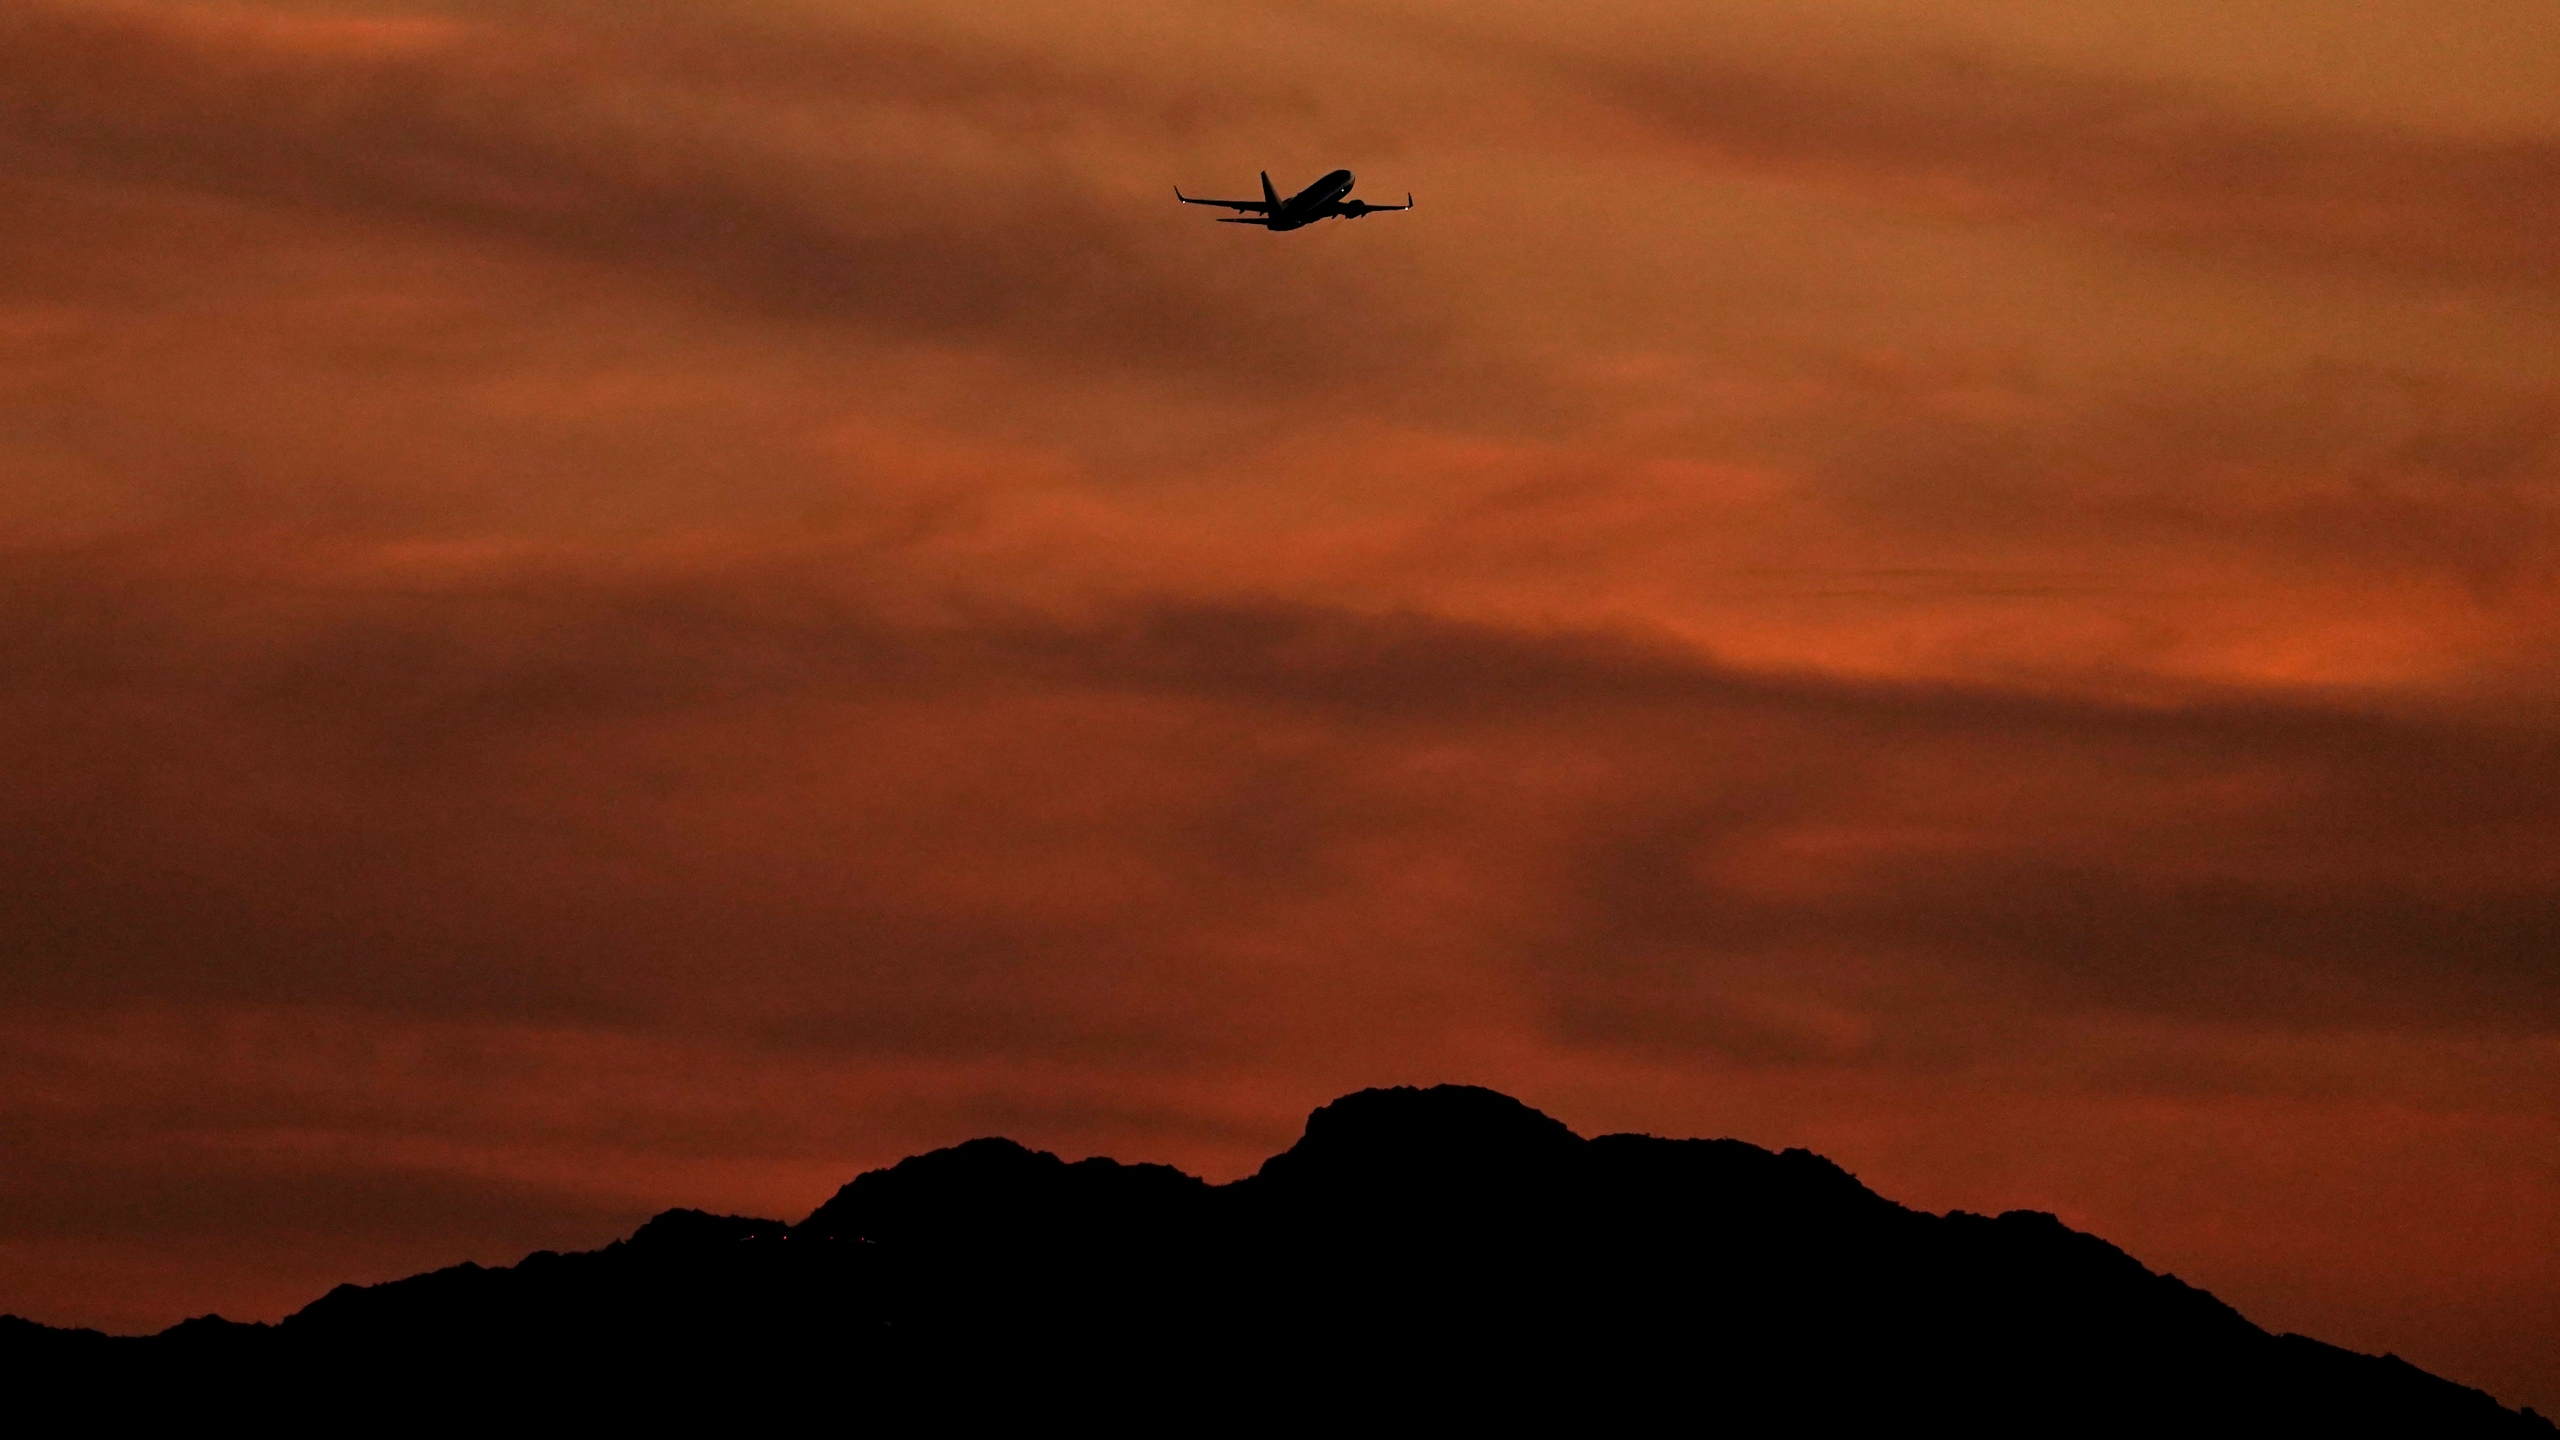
488, 768
819, 176
2151, 161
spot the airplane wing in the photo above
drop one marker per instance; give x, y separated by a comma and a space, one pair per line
1357, 208
1262, 207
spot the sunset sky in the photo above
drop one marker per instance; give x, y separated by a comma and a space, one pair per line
655, 602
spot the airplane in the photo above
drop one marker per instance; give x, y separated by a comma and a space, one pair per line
1320, 201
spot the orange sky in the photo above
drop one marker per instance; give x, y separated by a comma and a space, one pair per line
621, 605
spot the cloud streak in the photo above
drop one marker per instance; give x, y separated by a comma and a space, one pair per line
2152, 161
918, 193
1727, 817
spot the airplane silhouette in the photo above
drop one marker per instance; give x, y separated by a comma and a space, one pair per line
1320, 201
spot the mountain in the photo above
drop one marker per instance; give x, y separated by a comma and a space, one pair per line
1420, 1257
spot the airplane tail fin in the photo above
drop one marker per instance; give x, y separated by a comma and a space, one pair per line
1270, 196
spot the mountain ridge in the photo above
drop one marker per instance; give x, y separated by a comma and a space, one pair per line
1445, 1251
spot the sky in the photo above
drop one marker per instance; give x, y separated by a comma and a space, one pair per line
616, 605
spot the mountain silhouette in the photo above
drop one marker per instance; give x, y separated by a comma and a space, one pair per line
1443, 1256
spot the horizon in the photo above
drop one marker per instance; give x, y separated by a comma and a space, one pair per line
615, 608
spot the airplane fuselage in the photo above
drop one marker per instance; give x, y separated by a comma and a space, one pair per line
1313, 203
